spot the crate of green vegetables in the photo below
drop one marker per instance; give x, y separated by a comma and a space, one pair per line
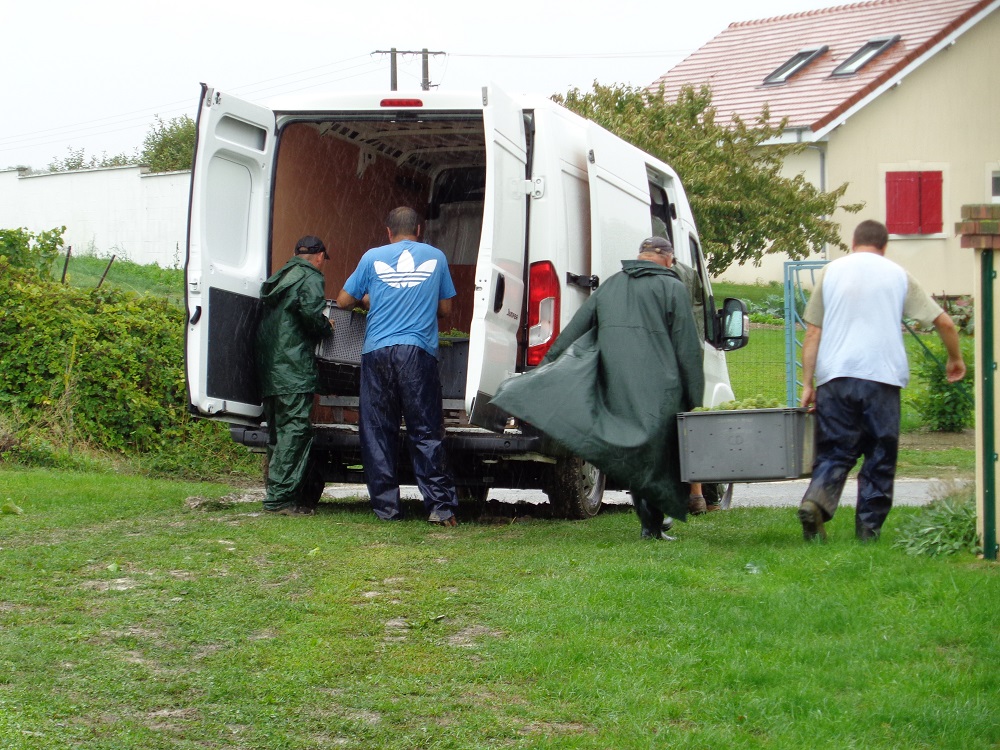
745, 441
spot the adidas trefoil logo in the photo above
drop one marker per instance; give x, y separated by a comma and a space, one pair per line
404, 274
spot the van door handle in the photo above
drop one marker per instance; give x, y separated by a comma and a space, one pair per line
196, 316
498, 295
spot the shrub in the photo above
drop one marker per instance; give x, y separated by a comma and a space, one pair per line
943, 527
98, 371
32, 252
943, 406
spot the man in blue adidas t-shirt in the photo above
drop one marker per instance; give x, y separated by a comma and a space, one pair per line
408, 286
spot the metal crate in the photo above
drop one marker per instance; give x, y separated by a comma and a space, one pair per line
745, 445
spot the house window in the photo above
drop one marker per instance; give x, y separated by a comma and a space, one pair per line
996, 187
868, 52
796, 63
913, 202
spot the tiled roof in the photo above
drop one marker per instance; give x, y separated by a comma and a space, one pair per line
736, 62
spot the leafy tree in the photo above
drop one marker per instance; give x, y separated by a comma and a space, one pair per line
77, 160
32, 252
745, 208
169, 146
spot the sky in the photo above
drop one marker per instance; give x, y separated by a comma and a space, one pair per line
95, 75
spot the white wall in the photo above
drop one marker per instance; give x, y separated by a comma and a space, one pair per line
123, 211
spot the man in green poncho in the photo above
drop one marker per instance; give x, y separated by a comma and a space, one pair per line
612, 384
291, 326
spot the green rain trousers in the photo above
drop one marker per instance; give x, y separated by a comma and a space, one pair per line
289, 440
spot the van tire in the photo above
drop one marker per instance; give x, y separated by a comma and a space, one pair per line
575, 488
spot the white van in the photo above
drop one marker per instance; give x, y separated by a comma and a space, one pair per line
533, 206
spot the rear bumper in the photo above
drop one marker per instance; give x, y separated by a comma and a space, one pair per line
462, 440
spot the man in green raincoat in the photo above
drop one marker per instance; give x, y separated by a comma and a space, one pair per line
613, 382
291, 326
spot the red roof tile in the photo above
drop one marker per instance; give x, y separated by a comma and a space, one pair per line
736, 62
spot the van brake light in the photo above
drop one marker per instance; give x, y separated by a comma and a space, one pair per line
544, 296
401, 103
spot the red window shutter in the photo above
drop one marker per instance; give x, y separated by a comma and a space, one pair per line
930, 203
902, 202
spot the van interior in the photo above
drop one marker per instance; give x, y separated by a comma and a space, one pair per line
340, 179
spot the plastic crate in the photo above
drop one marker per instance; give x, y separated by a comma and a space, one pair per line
344, 347
453, 366
745, 445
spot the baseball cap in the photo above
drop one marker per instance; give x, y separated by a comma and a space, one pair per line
309, 245
659, 245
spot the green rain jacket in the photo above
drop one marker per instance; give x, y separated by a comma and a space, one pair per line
612, 384
291, 326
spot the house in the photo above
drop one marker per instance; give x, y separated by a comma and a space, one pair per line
898, 98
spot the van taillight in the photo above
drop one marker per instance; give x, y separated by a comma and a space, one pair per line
401, 103
543, 310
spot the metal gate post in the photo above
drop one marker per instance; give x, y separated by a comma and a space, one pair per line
795, 297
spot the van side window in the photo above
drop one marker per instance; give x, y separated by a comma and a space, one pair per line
659, 211
707, 306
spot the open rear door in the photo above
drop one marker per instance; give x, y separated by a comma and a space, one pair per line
227, 255
500, 272
619, 201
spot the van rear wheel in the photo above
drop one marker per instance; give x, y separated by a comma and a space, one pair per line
575, 488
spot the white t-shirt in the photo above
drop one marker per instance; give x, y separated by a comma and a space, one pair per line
859, 302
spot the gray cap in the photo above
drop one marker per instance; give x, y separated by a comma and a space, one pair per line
658, 245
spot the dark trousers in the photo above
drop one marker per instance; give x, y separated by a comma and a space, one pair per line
650, 517
403, 382
289, 440
856, 418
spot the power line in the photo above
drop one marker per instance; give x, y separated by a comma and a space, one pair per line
125, 121
580, 56
342, 70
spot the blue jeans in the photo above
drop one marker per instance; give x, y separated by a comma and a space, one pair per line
855, 418
403, 382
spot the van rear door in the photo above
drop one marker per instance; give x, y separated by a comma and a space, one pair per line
619, 200
227, 255
500, 271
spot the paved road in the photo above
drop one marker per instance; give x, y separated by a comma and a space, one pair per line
758, 494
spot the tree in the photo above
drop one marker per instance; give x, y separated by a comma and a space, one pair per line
169, 146
77, 160
744, 207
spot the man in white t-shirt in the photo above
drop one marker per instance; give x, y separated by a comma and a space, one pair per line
854, 349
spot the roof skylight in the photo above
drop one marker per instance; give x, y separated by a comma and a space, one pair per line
796, 63
868, 52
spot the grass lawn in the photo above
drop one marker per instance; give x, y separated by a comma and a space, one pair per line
134, 618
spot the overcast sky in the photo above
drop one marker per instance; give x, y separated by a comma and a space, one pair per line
94, 75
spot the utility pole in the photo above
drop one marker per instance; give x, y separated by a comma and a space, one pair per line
425, 83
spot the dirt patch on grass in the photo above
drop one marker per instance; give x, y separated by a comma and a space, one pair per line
937, 441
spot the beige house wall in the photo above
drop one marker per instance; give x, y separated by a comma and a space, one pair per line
944, 117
